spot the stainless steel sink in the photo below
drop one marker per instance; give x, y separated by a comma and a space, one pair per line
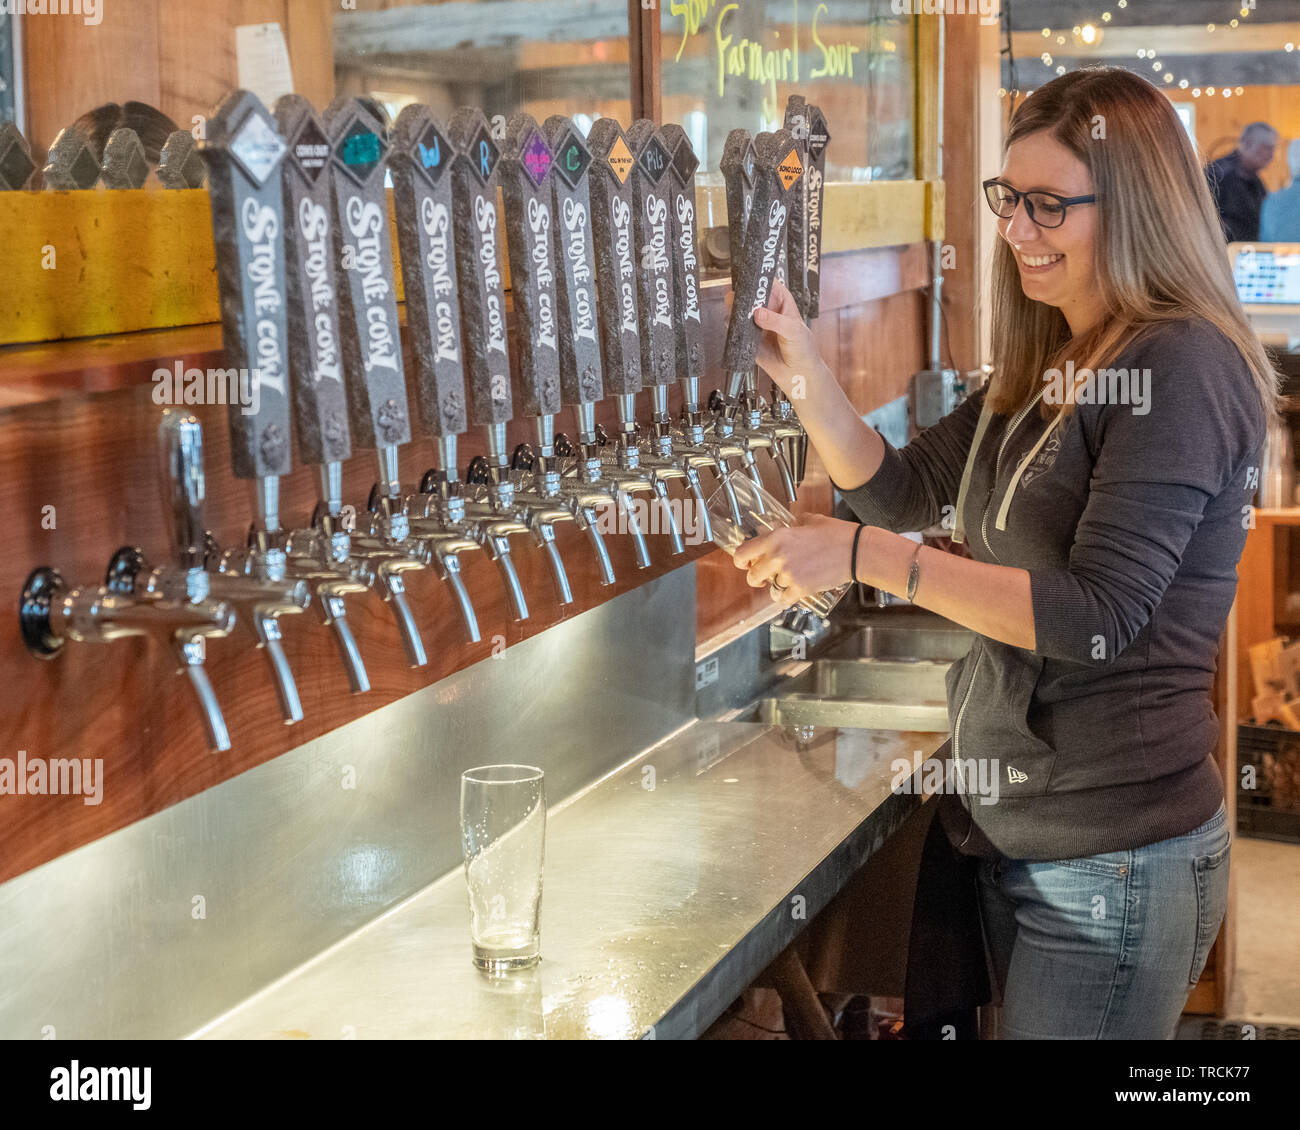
874, 642
877, 677
849, 713
879, 680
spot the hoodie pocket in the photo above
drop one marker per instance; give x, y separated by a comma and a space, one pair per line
995, 725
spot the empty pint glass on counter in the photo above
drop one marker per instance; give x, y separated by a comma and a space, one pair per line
760, 513
503, 829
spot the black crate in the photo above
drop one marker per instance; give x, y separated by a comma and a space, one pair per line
1271, 810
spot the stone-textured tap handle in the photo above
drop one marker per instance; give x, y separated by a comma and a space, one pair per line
614, 233
777, 170
525, 177
243, 151
818, 138
738, 174
581, 371
796, 122
320, 400
482, 298
421, 161
372, 348
685, 255
651, 184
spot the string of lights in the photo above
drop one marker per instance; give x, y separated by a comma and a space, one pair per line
1091, 32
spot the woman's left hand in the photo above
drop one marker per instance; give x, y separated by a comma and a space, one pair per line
799, 561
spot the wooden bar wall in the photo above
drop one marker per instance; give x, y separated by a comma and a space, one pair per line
178, 57
79, 437
81, 440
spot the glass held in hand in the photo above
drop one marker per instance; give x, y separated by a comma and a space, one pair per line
503, 830
760, 513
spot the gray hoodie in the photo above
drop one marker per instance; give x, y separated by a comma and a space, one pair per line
1130, 519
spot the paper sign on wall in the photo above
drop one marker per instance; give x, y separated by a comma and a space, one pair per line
263, 59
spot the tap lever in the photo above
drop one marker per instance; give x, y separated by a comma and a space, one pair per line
50, 615
612, 226
777, 168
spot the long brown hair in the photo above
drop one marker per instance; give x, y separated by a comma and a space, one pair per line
1159, 251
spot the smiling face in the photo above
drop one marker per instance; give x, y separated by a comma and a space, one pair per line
1056, 264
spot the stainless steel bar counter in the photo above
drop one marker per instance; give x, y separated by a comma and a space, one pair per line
669, 885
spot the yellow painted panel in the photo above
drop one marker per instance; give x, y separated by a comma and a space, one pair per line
854, 216
85, 263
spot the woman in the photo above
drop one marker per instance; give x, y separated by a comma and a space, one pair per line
1103, 483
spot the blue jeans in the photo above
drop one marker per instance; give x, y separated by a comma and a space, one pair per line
1106, 947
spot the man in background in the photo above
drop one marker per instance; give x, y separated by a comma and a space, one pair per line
1279, 219
1234, 182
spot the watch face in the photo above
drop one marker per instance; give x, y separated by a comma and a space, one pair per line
572, 158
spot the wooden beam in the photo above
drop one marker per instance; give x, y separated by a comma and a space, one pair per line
462, 23
646, 58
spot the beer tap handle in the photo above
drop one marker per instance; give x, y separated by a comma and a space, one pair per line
614, 236
582, 382
374, 377
797, 124
524, 174
482, 297
689, 326
777, 168
244, 151
818, 139
738, 173
320, 405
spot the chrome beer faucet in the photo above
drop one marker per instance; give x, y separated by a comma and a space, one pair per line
371, 349
320, 555
771, 173
421, 162
244, 152
490, 505
50, 615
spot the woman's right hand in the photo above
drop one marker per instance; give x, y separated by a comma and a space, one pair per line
787, 350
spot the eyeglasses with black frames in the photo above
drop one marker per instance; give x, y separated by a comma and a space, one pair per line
1046, 209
